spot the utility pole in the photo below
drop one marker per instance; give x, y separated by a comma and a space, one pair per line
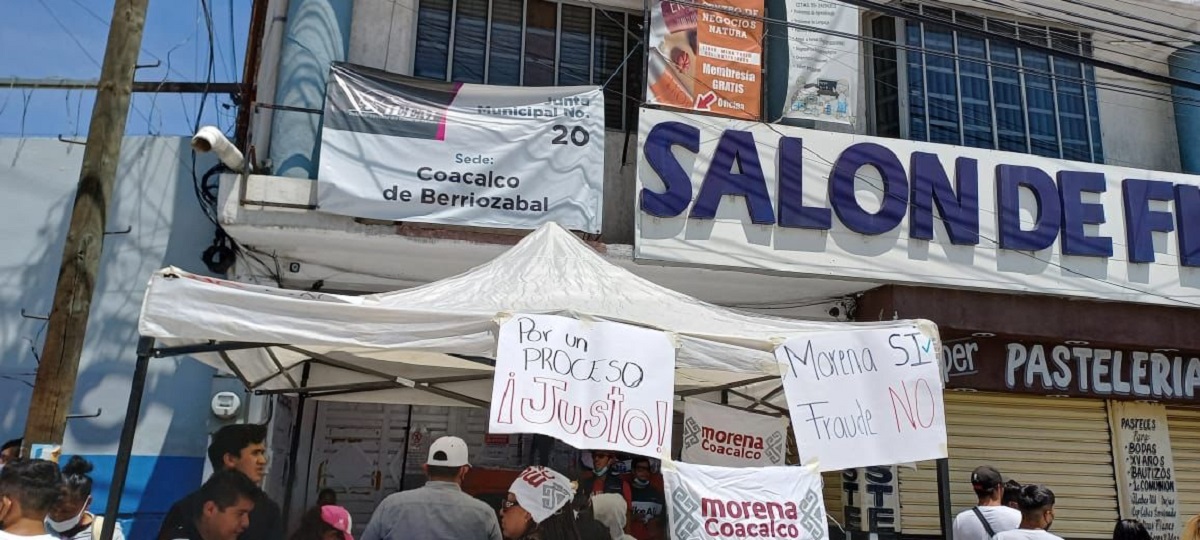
54, 387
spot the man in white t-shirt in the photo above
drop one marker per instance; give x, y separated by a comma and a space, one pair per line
29, 489
990, 518
1037, 515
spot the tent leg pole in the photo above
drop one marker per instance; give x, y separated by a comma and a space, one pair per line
295, 449
125, 447
945, 512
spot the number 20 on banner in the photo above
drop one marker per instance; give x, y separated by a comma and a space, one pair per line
864, 397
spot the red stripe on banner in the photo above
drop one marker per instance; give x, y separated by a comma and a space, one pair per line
441, 134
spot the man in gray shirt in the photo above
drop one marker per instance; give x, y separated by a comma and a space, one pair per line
439, 510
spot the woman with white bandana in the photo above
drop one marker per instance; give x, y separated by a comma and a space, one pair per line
537, 507
70, 520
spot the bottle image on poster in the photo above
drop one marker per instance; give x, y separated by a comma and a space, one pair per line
706, 59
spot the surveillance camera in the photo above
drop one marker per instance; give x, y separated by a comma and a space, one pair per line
835, 312
210, 139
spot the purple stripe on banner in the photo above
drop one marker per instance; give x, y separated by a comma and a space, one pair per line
441, 134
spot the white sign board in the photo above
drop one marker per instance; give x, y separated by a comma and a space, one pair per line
823, 74
718, 503
592, 385
403, 149
864, 397
718, 435
1145, 467
734, 193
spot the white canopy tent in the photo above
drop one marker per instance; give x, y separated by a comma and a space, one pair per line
433, 345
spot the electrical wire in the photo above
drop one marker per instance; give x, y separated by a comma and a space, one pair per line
1091, 30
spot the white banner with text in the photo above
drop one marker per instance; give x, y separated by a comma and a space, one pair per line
592, 385
864, 397
823, 70
718, 435
403, 149
715, 503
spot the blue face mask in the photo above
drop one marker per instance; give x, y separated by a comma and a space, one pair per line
600, 471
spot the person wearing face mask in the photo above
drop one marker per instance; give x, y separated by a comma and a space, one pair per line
649, 503
604, 479
537, 507
70, 519
1037, 515
29, 489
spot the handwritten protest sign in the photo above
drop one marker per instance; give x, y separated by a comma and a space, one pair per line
1145, 467
862, 398
715, 503
592, 385
718, 435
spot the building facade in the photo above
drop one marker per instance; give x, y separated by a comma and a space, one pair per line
1044, 338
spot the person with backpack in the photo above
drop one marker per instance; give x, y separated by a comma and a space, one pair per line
990, 517
70, 519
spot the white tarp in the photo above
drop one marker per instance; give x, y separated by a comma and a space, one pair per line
718, 503
594, 385
718, 435
406, 336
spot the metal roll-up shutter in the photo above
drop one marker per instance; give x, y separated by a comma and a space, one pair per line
833, 496
1060, 442
1184, 425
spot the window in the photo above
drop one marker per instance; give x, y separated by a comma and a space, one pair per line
534, 43
949, 87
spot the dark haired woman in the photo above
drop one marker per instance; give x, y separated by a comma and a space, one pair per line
1037, 515
1130, 529
327, 522
70, 519
536, 507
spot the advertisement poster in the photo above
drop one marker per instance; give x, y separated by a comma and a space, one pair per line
864, 397
710, 503
1145, 467
717, 435
403, 149
706, 59
823, 72
592, 385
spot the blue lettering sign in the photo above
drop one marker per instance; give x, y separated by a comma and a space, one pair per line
792, 212
1009, 181
895, 189
735, 148
931, 186
1076, 214
924, 193
658, 154
1187, 213
1140, 220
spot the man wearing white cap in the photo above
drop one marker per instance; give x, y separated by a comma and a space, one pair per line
439, 510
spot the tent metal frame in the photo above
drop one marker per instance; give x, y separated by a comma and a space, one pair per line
147, 350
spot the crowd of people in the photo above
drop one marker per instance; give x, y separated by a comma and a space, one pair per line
39, 500
1008, 510
541, 504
